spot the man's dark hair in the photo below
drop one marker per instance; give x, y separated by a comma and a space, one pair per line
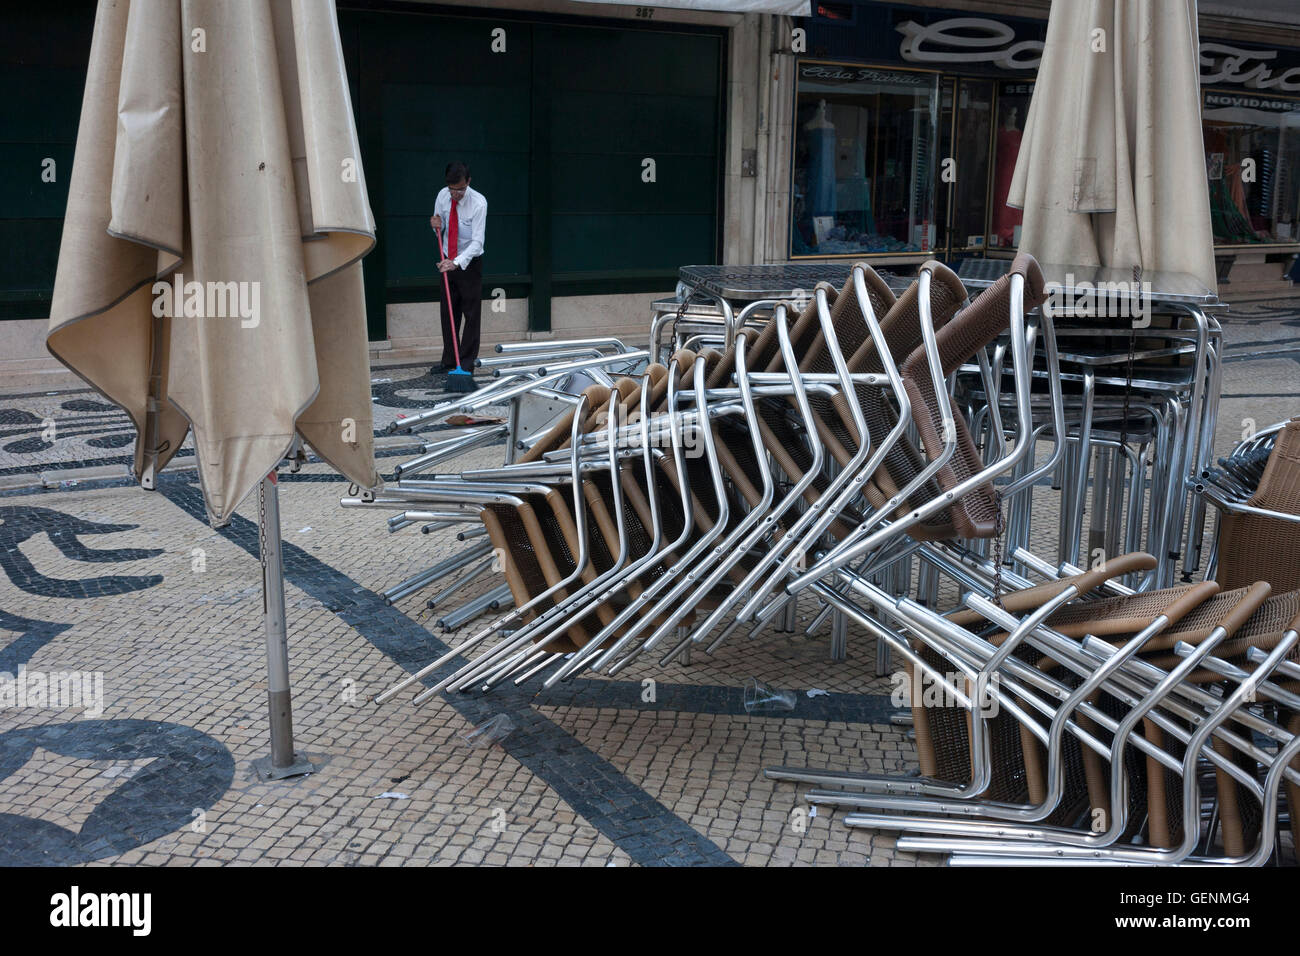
456, 172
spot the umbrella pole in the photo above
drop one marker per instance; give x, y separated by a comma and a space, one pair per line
149, 473
283, 762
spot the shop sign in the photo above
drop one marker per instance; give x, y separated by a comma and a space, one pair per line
968, 40
1256, 69
1242, 101
830, 72
972, 41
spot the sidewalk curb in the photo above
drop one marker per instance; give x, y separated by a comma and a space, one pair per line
67, 477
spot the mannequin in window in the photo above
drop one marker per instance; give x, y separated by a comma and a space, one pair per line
820, 134
1005, 218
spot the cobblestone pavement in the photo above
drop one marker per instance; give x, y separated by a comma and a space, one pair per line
161, 615
72, 428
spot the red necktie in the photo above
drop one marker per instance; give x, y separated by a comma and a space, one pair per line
453, 221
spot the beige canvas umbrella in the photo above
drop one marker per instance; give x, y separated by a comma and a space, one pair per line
209, 275
1111, 169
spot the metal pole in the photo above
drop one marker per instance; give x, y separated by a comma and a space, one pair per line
149, 476
839, 636
283, 762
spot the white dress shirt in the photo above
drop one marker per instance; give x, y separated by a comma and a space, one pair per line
470, 232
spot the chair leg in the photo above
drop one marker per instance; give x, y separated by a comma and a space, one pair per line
839, 636
882, 658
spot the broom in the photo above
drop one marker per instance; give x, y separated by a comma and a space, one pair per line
458, 380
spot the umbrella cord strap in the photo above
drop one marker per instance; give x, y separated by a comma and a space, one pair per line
261, 540
261, 524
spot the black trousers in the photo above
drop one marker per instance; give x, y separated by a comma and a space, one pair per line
466, 307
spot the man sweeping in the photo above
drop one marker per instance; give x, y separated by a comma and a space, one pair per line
464, 212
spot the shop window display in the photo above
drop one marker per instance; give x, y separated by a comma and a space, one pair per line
865, 161
1013, 107
974, 123
1251, 157
942, 190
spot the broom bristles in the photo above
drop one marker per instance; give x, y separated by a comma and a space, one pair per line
459, 380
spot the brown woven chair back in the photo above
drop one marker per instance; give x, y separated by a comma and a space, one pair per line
901, 327
1260, 548
974, 514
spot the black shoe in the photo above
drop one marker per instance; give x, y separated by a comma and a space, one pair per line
441, 369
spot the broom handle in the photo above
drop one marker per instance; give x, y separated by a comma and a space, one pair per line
451, 314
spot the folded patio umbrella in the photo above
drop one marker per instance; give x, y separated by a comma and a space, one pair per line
1111, 169
210, 264
209, 275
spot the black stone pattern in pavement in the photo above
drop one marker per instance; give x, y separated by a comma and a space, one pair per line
189, 771
134, 815
20, 522
650, 833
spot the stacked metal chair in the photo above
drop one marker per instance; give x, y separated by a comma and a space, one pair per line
1195, 670
533, 385
1141, 402
830, 455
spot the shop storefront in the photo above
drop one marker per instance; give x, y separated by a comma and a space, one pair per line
865, 143
907, 124
907, 153
1252, 156
1251, 124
